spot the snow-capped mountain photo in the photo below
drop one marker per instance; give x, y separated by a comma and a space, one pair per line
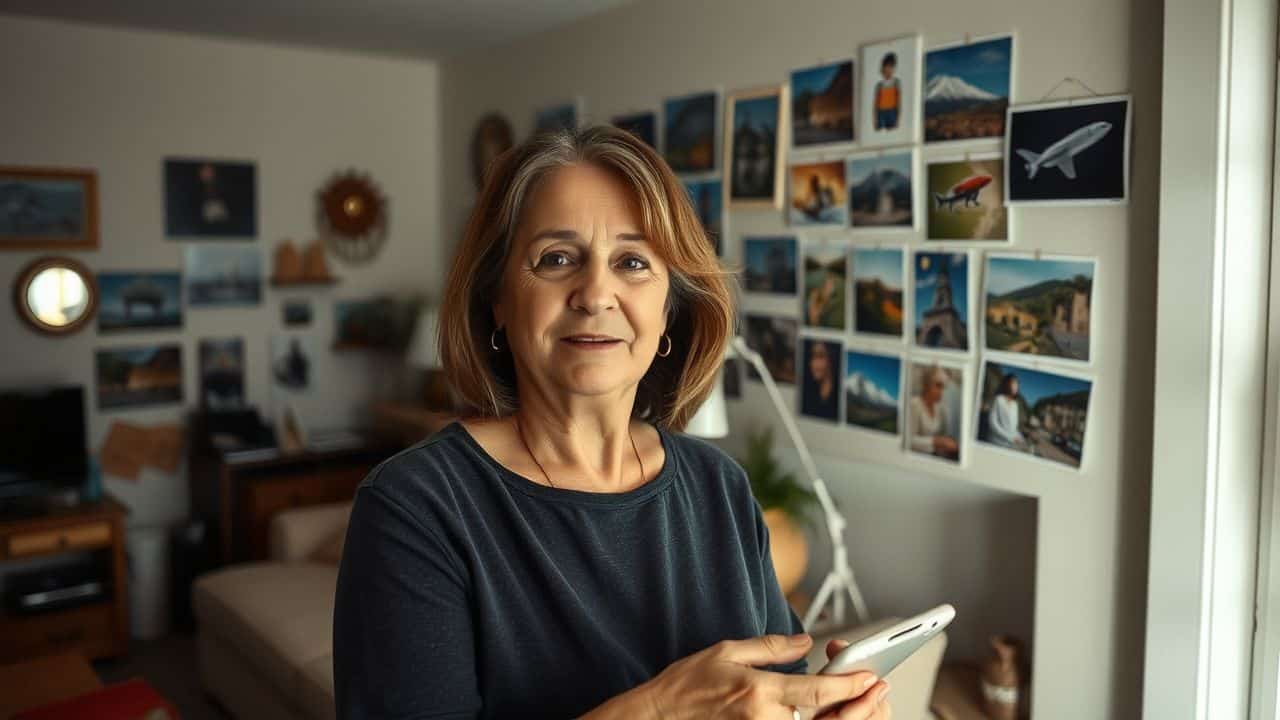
967, 90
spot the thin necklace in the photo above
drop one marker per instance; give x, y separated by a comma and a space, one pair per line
544, 470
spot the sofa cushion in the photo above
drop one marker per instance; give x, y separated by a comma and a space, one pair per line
280, 616
330, 551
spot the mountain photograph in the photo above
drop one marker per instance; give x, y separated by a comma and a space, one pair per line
880, 190
871, 389
967, 90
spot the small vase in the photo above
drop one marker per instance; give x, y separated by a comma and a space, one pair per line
1000, 679
787, 548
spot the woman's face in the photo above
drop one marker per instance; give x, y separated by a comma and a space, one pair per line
934, 386
1013, 388
580, 264
819, 362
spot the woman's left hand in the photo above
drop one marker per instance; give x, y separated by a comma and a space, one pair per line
870, 705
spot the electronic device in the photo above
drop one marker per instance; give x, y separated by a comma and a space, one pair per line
55, 588
42, 440
886, 649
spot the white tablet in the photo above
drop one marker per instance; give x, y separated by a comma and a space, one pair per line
884, 650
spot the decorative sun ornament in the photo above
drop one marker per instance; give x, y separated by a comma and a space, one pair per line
352, 216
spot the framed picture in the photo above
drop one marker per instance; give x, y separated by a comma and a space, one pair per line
935, 412
873, 391
770, 264
293, 359
134, 376
296, 313
1034, 412
882, 190
707, 197
689, 132
222, 373
941, 299
826, 277
643, 125
210, 199
817, 197
375, 323
48, 208
879, 287
755, 122
558, 116
966, 199
223, 274
136, 300
1072, 152
774, 337
820, 379
890, 92
966, 89
1039, 305
822, 105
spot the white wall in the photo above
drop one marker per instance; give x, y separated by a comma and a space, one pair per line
1085, 561
121, 101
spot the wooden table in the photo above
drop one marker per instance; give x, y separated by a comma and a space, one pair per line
43, 680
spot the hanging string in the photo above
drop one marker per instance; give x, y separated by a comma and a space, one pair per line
1066, 80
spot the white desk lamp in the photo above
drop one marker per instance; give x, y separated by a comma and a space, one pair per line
711, 421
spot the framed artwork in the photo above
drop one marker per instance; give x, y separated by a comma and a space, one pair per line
879, 286
135, 300
222, 373
134, 376
48, 208
826, 267
966, 89
774, 337
882, 190
942, 299
210, 199
890, 92
643, 125
818, 194
1034, 412
873, 391
755, 122
707, 197
689, 132
935, 411
966, 199
820, 376
770, 264
822, 105
1072, 152
223, 274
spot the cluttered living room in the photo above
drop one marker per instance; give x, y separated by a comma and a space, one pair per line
870, 385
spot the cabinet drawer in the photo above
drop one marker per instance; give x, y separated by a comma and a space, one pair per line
90, 628
79, 537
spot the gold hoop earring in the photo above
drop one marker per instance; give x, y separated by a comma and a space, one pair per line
492, 336
668, 352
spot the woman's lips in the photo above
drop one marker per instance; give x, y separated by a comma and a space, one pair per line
590, 344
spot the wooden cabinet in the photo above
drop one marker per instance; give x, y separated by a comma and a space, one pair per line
242, 494
99, 629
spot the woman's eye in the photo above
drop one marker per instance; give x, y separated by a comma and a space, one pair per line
542, 261
640, 263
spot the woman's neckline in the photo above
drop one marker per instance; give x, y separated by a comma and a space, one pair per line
604, 499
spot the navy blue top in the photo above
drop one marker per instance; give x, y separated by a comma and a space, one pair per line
467, 590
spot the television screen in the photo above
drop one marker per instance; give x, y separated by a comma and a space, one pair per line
42, 440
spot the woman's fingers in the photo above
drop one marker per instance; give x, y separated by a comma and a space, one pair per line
873, 705
821, 690
835, 646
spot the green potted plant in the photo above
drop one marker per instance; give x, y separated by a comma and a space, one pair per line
784, 501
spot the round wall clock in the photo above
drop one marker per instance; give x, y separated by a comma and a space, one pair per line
352, 216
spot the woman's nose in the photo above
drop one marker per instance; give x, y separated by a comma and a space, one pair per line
596, 291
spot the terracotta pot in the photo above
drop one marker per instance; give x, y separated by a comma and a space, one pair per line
788, 548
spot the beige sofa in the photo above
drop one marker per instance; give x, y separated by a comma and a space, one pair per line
265, 630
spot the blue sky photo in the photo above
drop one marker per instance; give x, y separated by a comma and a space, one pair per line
884, 371
814, 79
926, 276
757, 112
1035, 385
1006, 274
885, 264
981, 64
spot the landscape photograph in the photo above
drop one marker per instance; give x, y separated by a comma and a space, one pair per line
1039, 306
966, 90
881, 193
1037, 413
689, 138
825, 279
878, 280
822, 104
872, 389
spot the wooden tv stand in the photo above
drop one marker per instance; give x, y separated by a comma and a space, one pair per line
99, 629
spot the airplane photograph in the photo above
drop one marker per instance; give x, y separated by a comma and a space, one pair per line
1075, 151
966, 198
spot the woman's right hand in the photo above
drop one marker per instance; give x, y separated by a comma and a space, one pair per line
720, 682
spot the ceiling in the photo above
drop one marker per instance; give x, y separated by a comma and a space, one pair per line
414, 28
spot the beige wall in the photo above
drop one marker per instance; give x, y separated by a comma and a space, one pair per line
1082, 557
120, 101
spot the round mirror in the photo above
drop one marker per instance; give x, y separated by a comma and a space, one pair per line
56, 295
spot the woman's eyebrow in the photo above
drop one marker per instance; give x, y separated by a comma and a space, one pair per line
567, 234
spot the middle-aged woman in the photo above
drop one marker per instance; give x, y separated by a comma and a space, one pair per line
563, 550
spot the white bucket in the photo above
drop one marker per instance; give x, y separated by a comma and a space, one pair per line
148, 551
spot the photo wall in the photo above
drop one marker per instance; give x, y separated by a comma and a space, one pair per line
918, 312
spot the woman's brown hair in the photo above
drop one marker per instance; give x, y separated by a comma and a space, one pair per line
700, 303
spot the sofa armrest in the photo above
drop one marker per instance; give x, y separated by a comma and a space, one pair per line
296, 533
910, 684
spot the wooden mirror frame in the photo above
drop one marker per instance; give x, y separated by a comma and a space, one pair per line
39, 265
